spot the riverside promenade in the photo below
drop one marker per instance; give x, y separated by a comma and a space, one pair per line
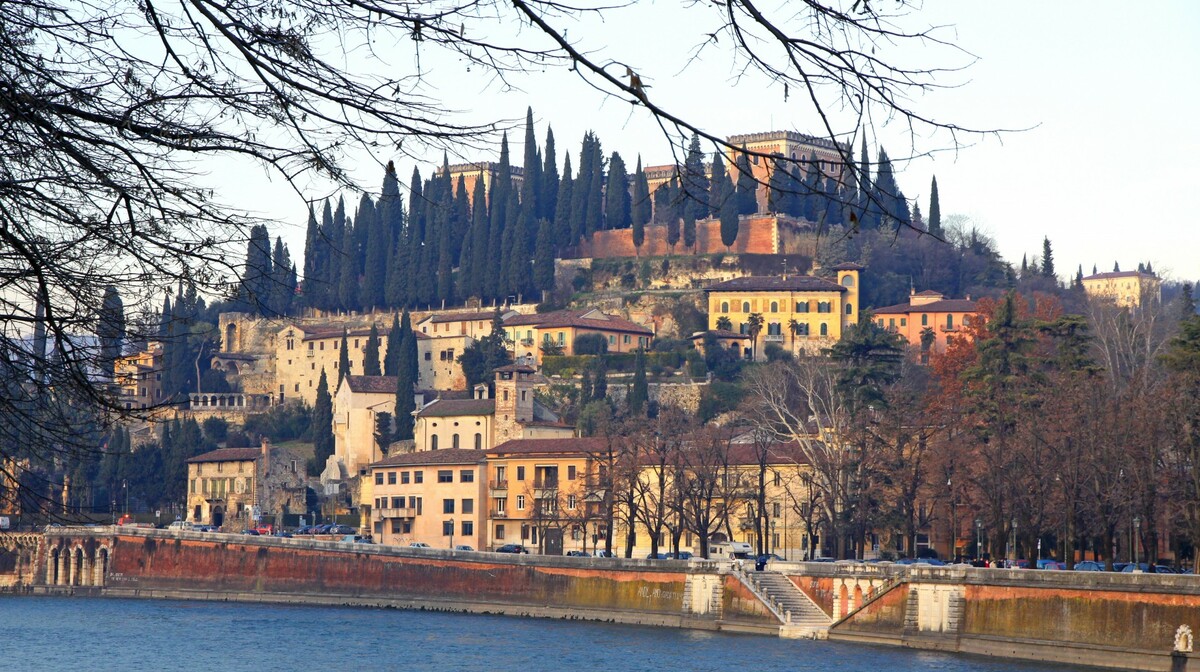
1118, 621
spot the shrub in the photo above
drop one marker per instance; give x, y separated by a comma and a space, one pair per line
590, 344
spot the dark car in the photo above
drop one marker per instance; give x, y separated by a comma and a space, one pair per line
341, 529
512, 548
578, 554
1089, 566
768, 557
251, 532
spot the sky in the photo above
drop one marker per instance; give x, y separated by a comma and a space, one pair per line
1100, 96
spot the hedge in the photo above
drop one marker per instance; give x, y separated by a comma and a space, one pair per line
617, 362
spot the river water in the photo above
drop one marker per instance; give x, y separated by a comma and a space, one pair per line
87, 635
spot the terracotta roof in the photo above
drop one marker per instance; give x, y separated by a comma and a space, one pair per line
332, 331
775, 283
928, 292
720, 333
848, 266
576, 318
228, 455
431, 457
516, 368
461, 316
943, 306
372, 384
441, 408
777, 453
1119, 274
573, 445
245, 356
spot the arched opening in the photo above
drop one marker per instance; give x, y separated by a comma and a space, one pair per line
218, 516
454, 441
858, 597
100, 566
849, 308
433, 442
478, 441
77, 567
230, 337
745, 306
824, 329
844, 599
724, 306
52, 567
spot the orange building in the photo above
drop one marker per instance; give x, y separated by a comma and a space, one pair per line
928, 315
558, 330
433, 497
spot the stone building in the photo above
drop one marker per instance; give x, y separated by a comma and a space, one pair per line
831, 156
798, 312
139, 377
357, 401
442, 338
231, 487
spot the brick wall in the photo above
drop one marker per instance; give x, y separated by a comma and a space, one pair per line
759, 234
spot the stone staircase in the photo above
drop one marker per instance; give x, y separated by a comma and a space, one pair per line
800, 616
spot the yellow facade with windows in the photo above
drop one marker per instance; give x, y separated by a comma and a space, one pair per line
798, 313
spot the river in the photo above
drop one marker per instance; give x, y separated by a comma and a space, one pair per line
86, 635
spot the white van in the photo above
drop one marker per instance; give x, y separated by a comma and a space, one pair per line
731, 550
186, 525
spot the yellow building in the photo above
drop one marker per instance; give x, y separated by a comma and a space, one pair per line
435, 497
356, 403
235, 486
442, 338
1127, 289
542, 494
301, 352
530, 335
139, 377
798, 312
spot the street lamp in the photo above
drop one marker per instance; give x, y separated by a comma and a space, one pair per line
1013, 552
978, 539
1137, 551
452, 534
773, 543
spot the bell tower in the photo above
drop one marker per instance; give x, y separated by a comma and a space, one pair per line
514, 401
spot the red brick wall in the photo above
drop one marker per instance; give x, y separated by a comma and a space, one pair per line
758, 234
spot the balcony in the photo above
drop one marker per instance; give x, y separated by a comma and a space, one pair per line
497, 513
405, 512
499, 488
545, 488
773, 338
527, 342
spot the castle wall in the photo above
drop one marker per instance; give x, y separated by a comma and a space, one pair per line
758, 234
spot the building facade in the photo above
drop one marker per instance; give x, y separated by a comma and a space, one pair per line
798, 313
233, 487
1127, 289
139, 377
434, 497
531, 336
303, 351
928, 320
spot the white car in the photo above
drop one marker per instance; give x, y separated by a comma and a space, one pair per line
419, 544
182, 525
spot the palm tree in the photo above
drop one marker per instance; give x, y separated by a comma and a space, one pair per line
927, 339
795, 327
754, 326
723, 322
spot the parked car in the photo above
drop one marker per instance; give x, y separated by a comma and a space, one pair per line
1089, 566
251, 532
768, 557
605, 554
182, 525
683, 555
578, 554
464, 547
341, 529
512, 548
356, 539
1145, 567
419, 544
1047, 563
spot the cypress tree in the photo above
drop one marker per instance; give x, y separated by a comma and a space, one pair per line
1078, 282
416, 206
371, 353
1047, 258
498, 201
562, 208
579, 194
600, 382
1116, 267
865, 207
672, 212
779, 188
391, 358
747, 186
695, 186
518, 270
1094, 271
833, 204
331, 246
283, 286
379, 241
315, 281
935, 211
110, 330
640, 392
729, 212
716, 190
348, 266
812, 194
343, 359
594, 211
322, 426
543, 259
550, 184
639, 214
473, 266
917, 219
532, 182
256, 281
617, 209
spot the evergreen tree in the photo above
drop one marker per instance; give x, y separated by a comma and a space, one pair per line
580, 191
543, 259
315, 258
594, 212
1024, 266
695, 187
935, 211
532, 183
417, 206
747, 186
716, 187
499, 201
728, 213
779, 187
617, 207
671, 217
1077, 283
600, 382
640, 206
1187, 302
550, 180
331, 246
473, 265
833, 204
518, 271
405, 402
1116, 267
371, 353
391, 358
343, 360
917, 219
408, 352
110, 329
322, 427
1047, 258
379, 240
867, 212
256, 281
1094, 271
812, 194
639, 394
562, 209
283, 287
349, 266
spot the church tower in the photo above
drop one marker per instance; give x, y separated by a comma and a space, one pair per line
514, 401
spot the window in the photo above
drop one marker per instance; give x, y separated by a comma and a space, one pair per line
395, 526
468, 506
445, 476
391, 478
501, 504
612, 339
848, 281
478, 441
310, 346
802, 329
904, 321
466, 476
447, 506
777, 509
724, 306
626, 339
891, 323
774, 306
520, 502
454, 441
571, 502
379, 478
823, 307
562, 338
499, 531
774, 329
415, 503
849, 308
433, 442
950, 321
429, 356
745, 306
520, 473
404, 477
397, 502
570, 472
447, 528
418, 477
506, 395
925, 320
802, 306
468, 528
322, 345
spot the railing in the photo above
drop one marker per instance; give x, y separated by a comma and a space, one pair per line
405, 512
497, 513
545, 483
773, 338
498, 484
750, 582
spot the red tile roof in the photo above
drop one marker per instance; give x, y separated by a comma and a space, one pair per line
372, 384
461, 316
332, 331
720, 333
1119, 274
433, 457
571, 445
943, 306
776, 283
228, 455
441, 408
575, 318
